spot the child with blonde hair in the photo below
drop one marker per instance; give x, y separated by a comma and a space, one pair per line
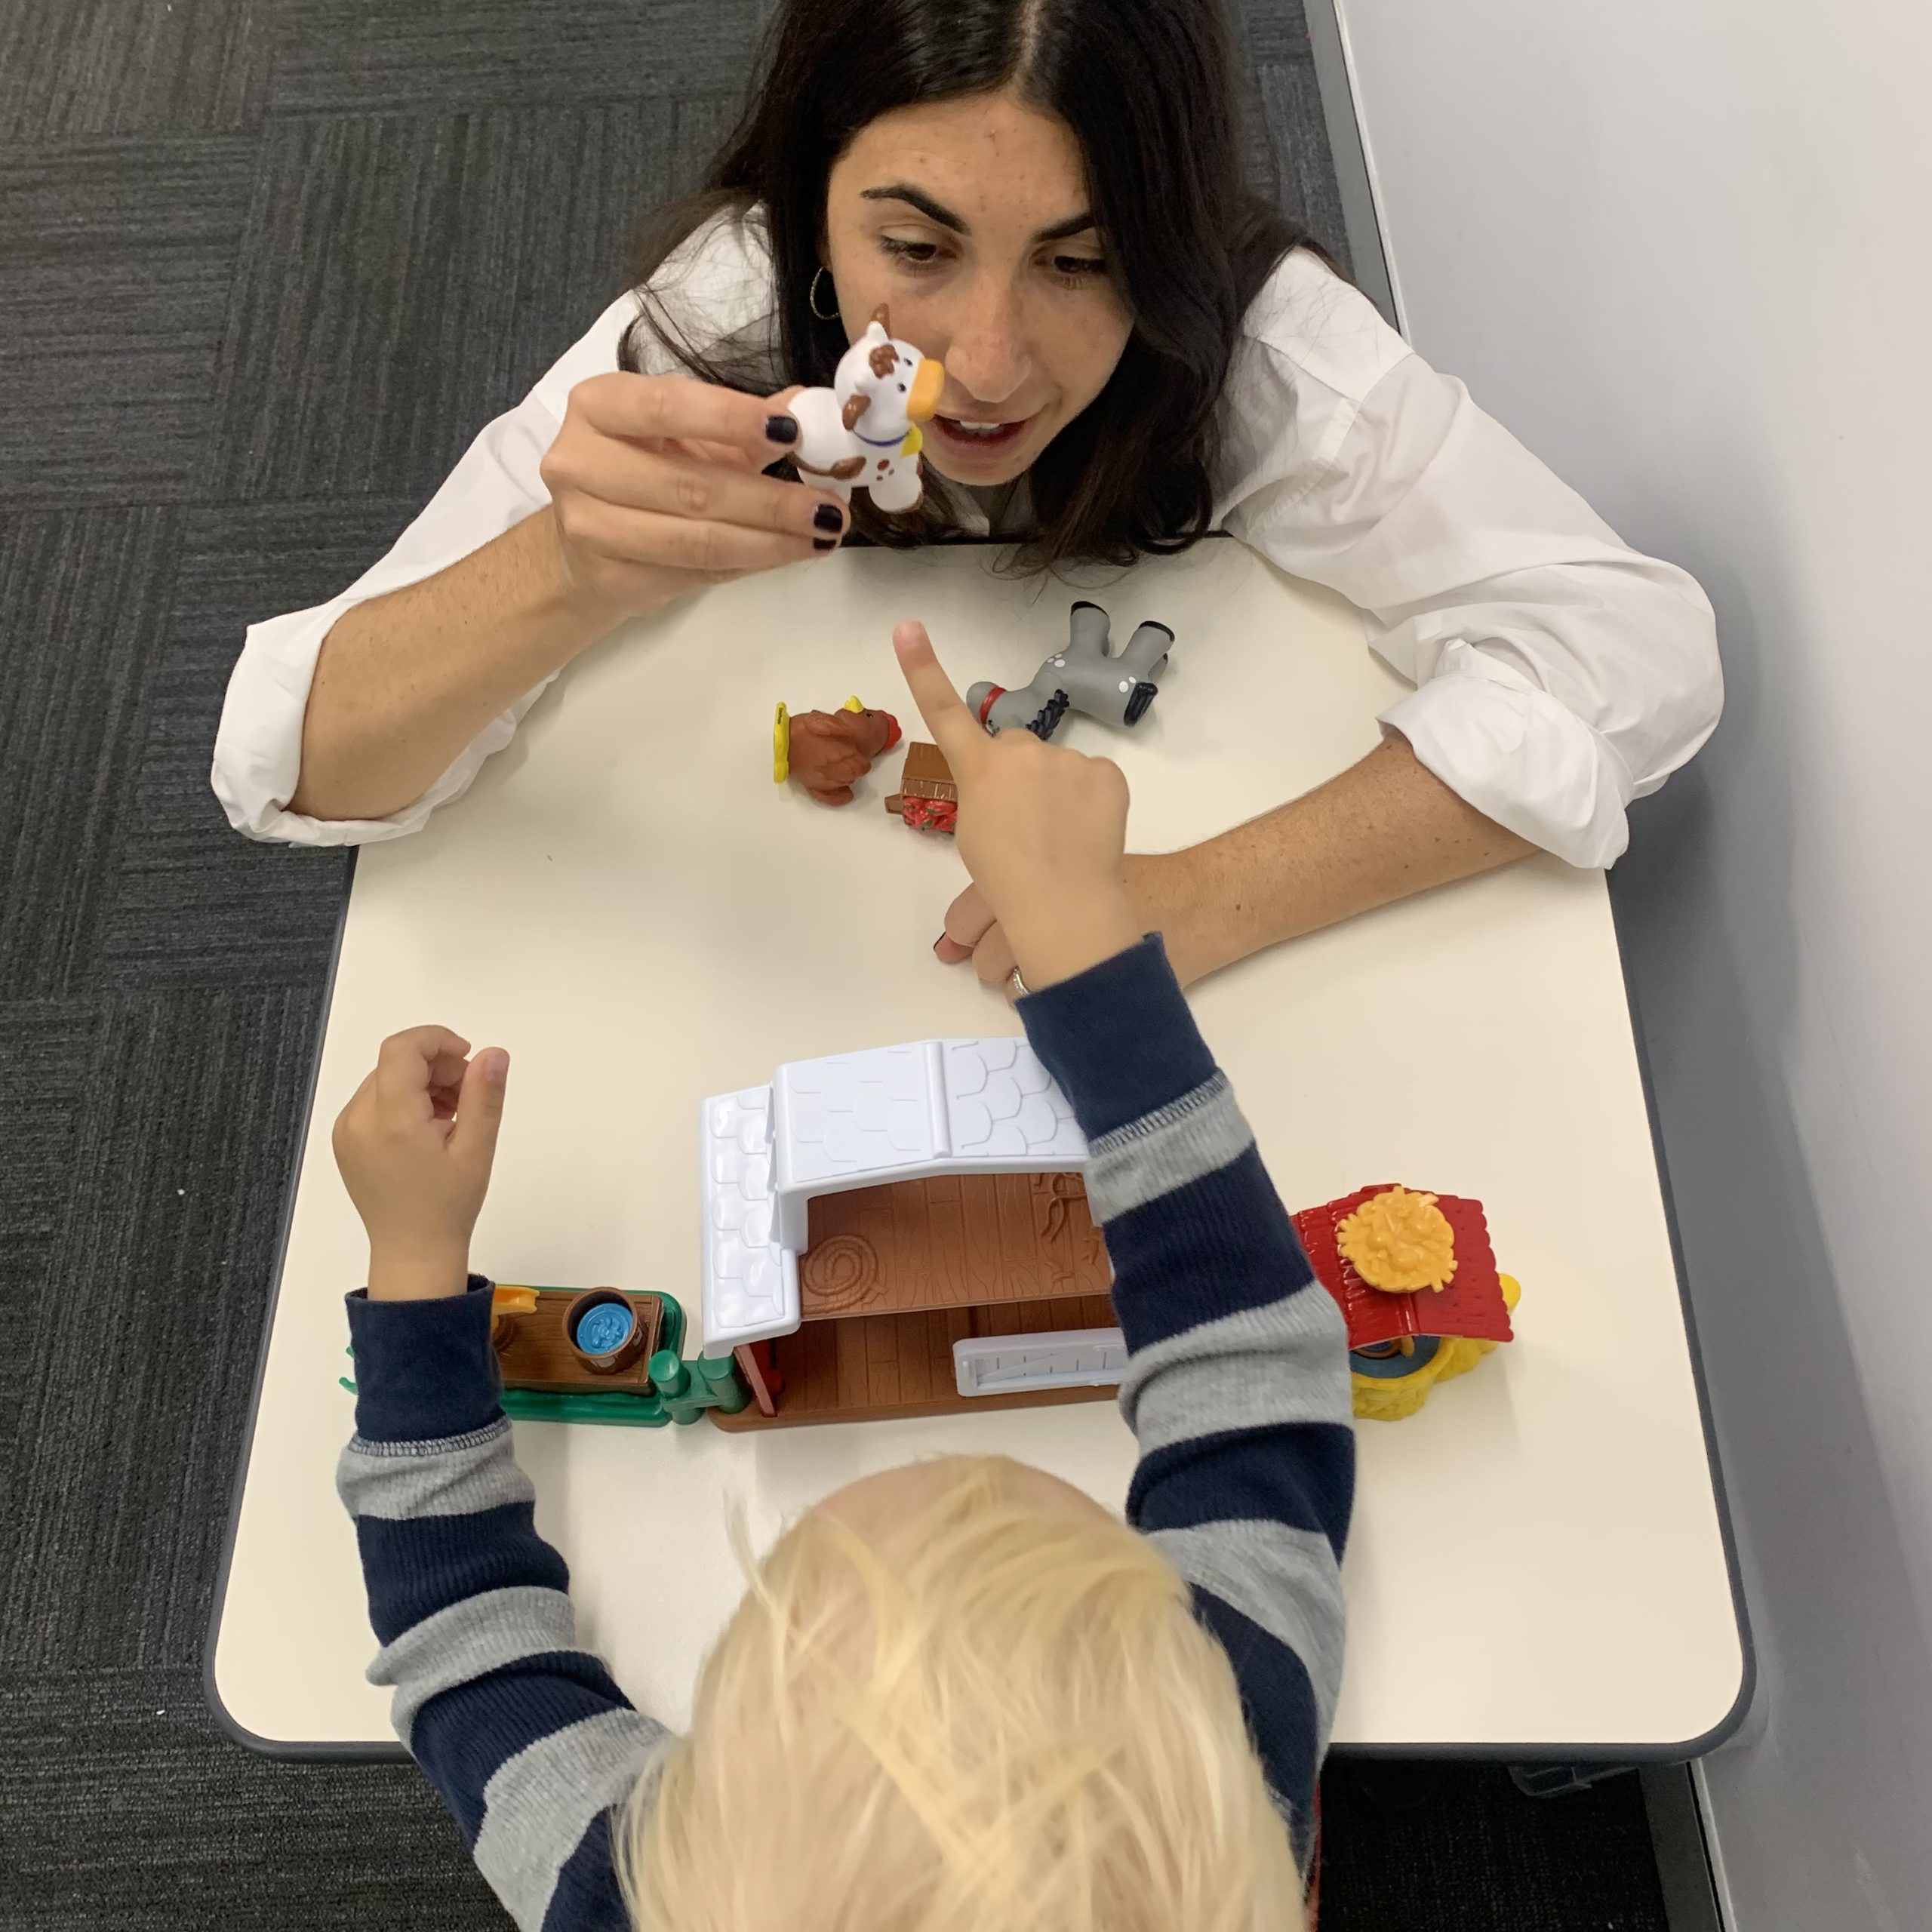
958, 1696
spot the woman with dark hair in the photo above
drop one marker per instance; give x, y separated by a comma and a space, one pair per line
1046, 194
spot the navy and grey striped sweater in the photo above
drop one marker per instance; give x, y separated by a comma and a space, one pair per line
1237, 1390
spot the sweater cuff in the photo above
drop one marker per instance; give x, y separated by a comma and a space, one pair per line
424, 1369
1118, 1038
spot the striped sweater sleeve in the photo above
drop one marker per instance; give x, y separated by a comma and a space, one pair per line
1237, 1384
524, 1735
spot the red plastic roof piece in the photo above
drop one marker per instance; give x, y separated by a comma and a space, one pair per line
1470, 1305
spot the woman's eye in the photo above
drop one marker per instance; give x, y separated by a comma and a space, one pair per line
1077, 268
914, 254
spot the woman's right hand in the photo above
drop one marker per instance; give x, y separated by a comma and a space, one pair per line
655, 489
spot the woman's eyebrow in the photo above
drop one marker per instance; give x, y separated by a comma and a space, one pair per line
903, 191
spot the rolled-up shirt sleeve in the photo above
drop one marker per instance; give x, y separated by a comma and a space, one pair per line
258, 746
1559, 674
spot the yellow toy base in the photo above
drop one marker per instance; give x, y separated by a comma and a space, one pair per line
1388, 1398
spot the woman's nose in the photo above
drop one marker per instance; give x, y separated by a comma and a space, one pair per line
986, 356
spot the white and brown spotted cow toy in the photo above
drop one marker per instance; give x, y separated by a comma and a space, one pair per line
863, 432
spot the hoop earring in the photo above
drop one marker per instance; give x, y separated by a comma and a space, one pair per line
811, 297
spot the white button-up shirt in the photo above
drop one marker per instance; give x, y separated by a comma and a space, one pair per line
1558, 673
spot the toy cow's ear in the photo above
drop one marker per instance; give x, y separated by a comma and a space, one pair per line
879, 316
855, 406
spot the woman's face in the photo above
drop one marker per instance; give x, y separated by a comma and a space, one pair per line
970, 221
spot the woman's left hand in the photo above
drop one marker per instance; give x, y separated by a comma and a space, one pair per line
1159, 888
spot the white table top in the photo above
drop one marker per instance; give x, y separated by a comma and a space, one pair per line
627, 902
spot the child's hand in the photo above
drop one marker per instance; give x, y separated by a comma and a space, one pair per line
414, 1145
1040, 829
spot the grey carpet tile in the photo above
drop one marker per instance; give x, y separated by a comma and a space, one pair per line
1266, 31
705, 122
192, 902
121, 1806
1285, 150
83, 604
76, 69
1458, 1848
406, 277
1305, 170
1285, 140
359, 56
119, 1458
115, 264
46, 1059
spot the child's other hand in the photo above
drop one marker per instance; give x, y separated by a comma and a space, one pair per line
414, 1145
1041, 830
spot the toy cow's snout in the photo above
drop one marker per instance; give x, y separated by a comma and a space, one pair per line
928, 380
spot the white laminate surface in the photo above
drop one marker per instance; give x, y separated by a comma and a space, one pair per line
627, 902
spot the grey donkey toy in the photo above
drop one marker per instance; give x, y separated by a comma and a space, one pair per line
1084, 677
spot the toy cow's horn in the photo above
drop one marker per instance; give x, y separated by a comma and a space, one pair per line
879, 316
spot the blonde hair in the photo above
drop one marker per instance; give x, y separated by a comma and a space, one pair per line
1003, 1717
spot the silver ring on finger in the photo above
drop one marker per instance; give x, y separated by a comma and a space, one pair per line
1016, 985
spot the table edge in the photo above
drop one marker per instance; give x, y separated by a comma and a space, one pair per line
1720, 1497
375, 1750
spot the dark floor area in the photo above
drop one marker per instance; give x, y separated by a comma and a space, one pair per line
1435, 1847
264, 269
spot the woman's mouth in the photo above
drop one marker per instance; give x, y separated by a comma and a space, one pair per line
980, 436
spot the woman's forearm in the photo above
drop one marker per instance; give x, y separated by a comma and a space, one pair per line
1384, 829
405, 682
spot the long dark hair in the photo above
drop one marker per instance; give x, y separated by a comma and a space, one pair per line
1145, 86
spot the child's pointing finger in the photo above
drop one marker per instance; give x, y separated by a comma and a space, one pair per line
954, 730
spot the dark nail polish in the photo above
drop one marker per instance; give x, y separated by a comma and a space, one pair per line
827, 517
780, 429
824, 543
